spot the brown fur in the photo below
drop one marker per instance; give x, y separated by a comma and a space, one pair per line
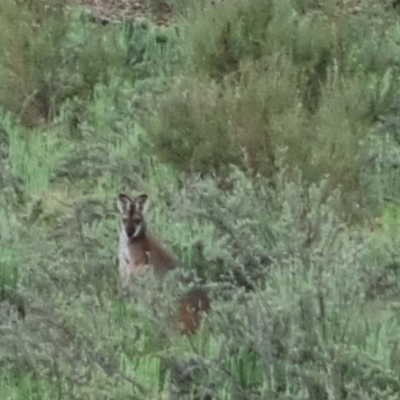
190, 307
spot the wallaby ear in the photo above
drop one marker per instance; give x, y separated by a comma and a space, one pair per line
122, 202
141, 202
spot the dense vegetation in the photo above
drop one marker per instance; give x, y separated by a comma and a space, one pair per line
266, 133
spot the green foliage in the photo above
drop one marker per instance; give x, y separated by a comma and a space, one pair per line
305, 327
53, 57
222, 35
191, 131
310, 81
202, 127
30, 57
270, 109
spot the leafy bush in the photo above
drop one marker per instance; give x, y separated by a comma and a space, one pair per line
30, 58
298, 83
54, 56
201, 127
222, 35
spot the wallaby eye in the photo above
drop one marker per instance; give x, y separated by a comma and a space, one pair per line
137, 221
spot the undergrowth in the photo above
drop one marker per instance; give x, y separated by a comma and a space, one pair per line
266, 136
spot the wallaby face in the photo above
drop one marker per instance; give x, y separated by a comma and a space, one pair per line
132, 215
133, 250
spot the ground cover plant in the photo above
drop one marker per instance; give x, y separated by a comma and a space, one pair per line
266, 136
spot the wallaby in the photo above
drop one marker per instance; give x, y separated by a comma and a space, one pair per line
138, 252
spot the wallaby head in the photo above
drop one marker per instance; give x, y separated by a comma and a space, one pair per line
132, 211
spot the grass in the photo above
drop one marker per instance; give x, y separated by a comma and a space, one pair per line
267, 193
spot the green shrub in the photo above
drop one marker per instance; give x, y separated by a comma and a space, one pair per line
30, 58
56, 56
203, 126
289, 75
191, 128
220, 36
